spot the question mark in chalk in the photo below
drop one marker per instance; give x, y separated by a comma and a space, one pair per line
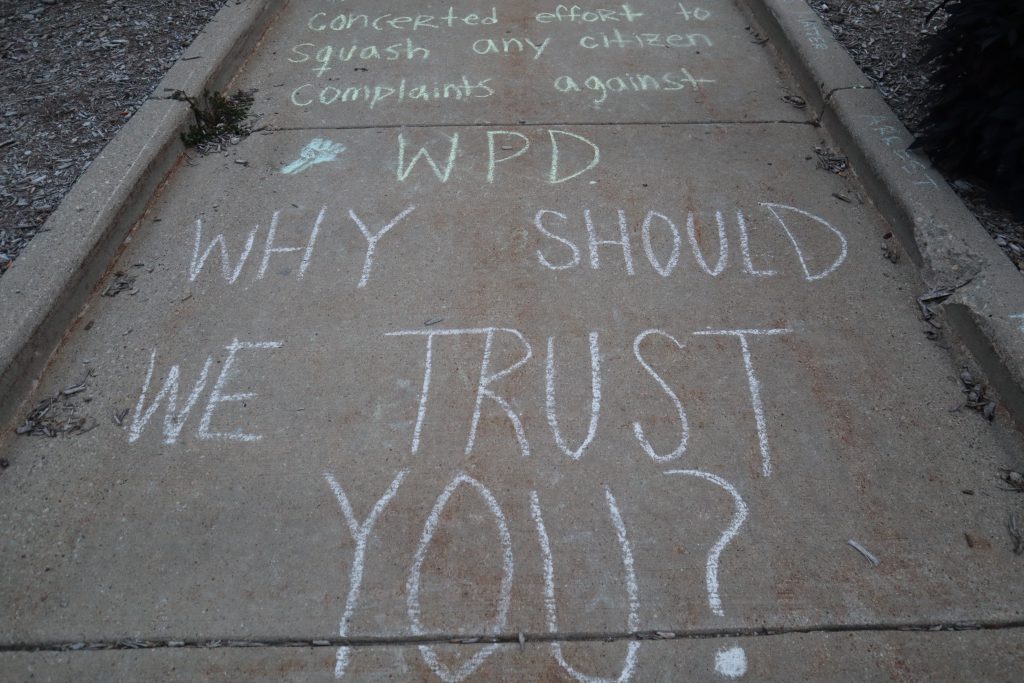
729, 662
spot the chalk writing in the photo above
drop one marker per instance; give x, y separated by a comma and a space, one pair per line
684, 425
623, 242
404, 170
360, 532
888, 131
630, 40
595, 403
550, 606
372, 238
1020, 317
551, 225
680, 79
559, 140
714, 556
404, 91
723, 244
696, 14
487, 377
775, 209
326, 55
576, 14
505, 591
731, 662
508, 46
318, 151
665, 269
813, 32
231, 273
382, 22
269, 249
754, 385
492, 155
174, 419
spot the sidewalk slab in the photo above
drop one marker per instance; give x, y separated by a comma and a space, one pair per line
402, 374
222, 519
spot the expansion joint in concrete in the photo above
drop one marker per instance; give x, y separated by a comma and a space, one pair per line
545, 124
517, 638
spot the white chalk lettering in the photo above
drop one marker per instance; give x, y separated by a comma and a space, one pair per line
508, 46
402, 92
754, 385
484, 390
327, 54
174, 420
684, 425
539, 224
372, 238
493, 160
230, 274
774, 209
723, 245
632, 40
576, 14
307, 252
714, 557
697, 13
678, 80
404, 171
504, 594
487, 378
217, 396
593, 242
595, 401
677, 243
360, 532
384, 22
550, 604
554, 176
812, 251
748, 264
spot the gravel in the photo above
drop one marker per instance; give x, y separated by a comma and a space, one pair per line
72, 72
887, 40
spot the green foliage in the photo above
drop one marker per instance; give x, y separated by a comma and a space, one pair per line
975, 122
216, 115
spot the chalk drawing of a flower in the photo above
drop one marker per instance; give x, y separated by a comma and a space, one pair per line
318, 151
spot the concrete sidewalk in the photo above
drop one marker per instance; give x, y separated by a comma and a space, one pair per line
523, 335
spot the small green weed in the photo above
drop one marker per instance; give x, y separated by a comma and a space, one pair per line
216, 115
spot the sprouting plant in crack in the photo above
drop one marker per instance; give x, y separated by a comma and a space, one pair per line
216, 115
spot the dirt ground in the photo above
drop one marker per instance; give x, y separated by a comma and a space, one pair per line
887, 40
72, 72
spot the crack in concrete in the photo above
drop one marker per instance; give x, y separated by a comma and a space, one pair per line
828, 96
515, 638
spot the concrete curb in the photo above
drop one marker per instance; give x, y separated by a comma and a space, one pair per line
939, 233
47, 287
